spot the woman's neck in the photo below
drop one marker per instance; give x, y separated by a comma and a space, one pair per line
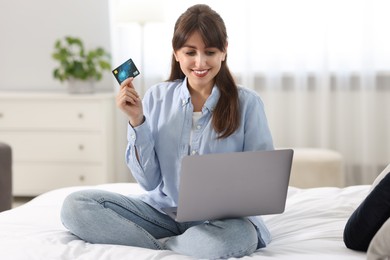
199, 97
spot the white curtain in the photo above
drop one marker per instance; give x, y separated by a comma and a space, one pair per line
322, 68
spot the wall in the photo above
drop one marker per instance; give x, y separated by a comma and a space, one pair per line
28, 30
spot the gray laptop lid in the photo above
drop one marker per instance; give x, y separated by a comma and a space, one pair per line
216, 186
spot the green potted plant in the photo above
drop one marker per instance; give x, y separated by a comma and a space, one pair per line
77, 66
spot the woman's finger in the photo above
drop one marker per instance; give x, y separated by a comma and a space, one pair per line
131, 99
127, 83
132, 92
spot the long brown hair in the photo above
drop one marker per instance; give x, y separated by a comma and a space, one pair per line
211, 27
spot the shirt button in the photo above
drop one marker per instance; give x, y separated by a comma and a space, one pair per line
193, 152
198, 127
132, 136
183, 102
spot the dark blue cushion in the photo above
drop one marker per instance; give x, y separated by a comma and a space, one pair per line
367, 219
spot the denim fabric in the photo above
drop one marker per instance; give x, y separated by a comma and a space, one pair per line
98, 216
156, 147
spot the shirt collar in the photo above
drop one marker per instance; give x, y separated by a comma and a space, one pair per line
211, 101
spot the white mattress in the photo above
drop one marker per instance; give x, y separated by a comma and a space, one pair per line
310, 228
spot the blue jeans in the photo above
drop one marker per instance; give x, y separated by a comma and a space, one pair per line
103, 217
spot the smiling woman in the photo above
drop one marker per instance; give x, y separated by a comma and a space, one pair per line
198, 62
198, 110
322, 68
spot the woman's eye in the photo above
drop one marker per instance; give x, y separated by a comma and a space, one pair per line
210, 53
190, 53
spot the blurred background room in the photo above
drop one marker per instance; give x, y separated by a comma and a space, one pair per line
322, 68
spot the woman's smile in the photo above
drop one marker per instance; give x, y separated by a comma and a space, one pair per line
200, 73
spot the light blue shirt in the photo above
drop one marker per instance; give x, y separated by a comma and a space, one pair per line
164, 139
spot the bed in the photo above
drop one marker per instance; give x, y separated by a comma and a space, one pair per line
310, 228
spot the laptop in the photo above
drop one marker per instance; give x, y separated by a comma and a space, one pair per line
230, 185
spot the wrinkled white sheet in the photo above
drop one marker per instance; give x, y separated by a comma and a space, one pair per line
310, 228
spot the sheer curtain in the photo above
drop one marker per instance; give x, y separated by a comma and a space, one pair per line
322, 68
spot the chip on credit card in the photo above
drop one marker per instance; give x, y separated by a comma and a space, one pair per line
126, 70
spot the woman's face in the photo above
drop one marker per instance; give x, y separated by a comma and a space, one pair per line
199, 63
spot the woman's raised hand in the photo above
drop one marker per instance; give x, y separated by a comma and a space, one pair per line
130, 103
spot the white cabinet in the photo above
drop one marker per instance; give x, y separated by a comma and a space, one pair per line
58, 139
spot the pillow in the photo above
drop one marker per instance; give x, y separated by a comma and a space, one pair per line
380, 245
380, 177
367, 219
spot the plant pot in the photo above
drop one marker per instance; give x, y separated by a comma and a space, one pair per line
76, 86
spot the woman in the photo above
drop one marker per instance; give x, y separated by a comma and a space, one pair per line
199, 110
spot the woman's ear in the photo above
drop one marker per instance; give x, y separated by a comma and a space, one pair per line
225, 53
174, 54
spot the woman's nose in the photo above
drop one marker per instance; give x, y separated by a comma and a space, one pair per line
200, 60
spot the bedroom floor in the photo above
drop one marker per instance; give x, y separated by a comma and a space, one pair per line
18, 201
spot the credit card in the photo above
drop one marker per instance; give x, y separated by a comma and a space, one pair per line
126, 70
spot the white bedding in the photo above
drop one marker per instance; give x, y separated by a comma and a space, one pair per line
310, 228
